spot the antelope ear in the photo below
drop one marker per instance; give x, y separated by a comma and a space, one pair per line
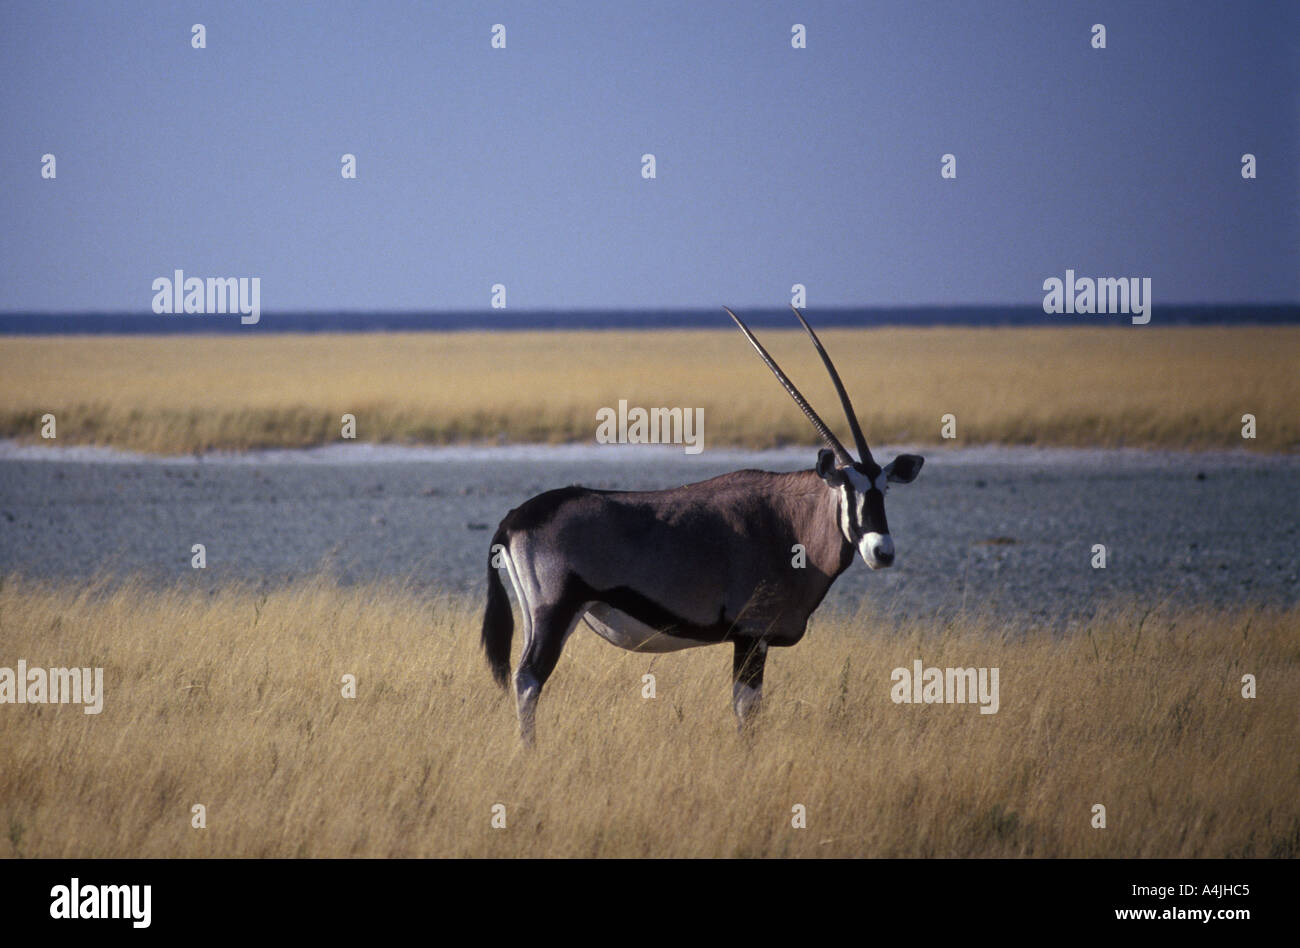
826, 468
904, 468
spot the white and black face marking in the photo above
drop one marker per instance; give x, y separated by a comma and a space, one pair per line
862, 490
862, 512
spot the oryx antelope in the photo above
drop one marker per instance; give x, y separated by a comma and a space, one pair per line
713, 562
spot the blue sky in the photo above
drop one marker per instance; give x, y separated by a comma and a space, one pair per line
522, 166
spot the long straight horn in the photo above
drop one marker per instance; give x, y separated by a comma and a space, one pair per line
863, 451
831, 441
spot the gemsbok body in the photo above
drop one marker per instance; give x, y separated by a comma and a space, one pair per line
713, 562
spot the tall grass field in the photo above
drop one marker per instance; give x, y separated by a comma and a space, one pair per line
1154, 387
234, 700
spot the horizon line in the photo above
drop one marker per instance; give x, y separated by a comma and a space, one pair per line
479, 310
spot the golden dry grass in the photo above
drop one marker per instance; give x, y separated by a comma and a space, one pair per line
231, 698
1172, 387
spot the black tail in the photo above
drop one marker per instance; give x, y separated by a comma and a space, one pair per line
498, 620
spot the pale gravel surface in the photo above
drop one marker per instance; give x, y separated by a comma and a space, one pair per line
1005, 528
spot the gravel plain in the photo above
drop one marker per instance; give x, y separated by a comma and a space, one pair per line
1003, 529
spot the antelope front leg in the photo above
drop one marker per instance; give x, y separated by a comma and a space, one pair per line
747, 679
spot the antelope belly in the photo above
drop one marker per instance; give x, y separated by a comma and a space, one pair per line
622, 630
